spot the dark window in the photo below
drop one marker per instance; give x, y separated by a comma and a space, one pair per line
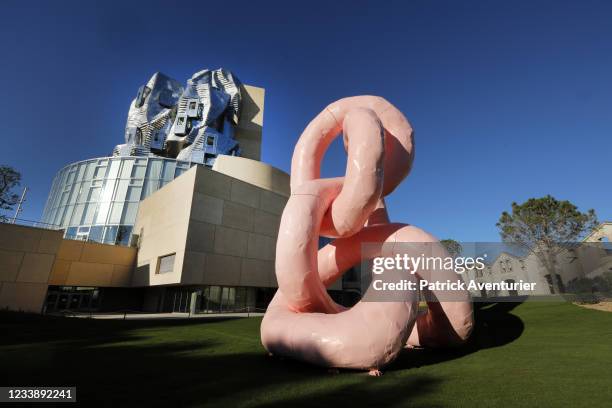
62, 302
138, 136
123, 235
95, 233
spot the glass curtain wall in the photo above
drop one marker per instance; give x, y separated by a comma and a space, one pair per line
224, 299
216, 299
97, 200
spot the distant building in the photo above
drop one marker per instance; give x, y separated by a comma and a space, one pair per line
589, 259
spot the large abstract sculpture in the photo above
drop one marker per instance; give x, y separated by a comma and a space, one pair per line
195, 123
302, 321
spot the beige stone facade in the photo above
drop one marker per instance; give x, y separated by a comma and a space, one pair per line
79, 263
218, 229
31, 259
250, 125
26, 259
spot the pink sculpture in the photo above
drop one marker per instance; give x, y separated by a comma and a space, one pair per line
302, 321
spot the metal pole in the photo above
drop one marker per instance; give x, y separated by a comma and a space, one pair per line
21, 200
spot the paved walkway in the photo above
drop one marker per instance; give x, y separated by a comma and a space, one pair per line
150, 316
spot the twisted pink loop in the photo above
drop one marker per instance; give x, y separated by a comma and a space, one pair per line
302, 321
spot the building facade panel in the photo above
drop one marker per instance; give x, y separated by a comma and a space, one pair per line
35, 267
254, 172
223, 270
25, 266
245, 193
194, 265
22, 296
273, 202
261, 247
10, 262
201, 236
231, 241
238, 216
207, 209
266, 223
59, 272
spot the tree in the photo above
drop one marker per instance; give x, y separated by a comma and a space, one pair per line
453, 247
9, 178
545, 227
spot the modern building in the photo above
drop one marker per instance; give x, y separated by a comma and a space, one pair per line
183, 216
168, 130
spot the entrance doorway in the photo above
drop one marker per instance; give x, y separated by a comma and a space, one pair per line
177, 300
73, 298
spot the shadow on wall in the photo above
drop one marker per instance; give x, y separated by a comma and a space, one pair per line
248, 115
248, 131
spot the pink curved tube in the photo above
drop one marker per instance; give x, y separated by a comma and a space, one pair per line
302, 321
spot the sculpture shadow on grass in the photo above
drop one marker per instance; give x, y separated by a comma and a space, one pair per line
494, 326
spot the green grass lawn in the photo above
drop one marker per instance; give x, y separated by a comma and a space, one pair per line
533, 354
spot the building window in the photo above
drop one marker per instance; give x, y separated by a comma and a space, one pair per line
95, 233
82, 233
166, 264
71, 233
123, 235
110, 235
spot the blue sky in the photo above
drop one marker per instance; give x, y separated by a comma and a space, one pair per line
509, 100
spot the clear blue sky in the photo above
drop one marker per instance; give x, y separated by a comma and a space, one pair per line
509, 100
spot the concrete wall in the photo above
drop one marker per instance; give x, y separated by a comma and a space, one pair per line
26, 259
80, 263
33, 258
254, 172
223, 233
161, 223
241, 244
250, 124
